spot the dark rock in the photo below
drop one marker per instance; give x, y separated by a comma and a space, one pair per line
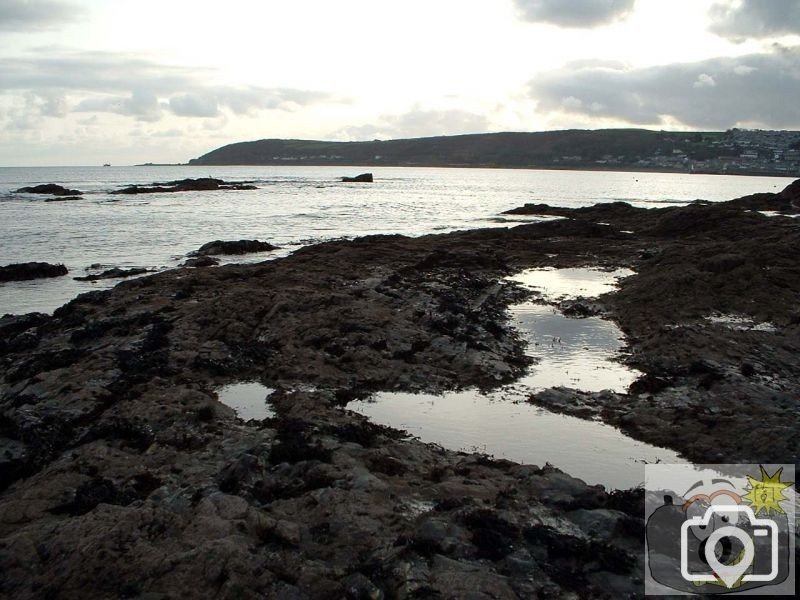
438, 535
492, 535
114, 273
31, 270
580, 308
218, 247
649, 384
11, 325
786, 201
747, 369
599, 523
49, 188
62, 199
202, 184
359, 587
723, 263
363, 178
537, 209
201, 261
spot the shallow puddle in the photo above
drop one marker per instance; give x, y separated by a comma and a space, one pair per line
474, 422
249, 400
555, 284
574, 353
569, 352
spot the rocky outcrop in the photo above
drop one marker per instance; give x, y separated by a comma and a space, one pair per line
31, 270
115, 273
219, 247
363, 178
202, 184
787, 201
52, 189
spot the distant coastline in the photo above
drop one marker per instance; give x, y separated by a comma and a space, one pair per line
732, 152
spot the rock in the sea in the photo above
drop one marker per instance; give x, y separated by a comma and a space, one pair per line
114, 273
31, 270
48, 188
232, 247
201, 261
186, 185
363, 178
62, 198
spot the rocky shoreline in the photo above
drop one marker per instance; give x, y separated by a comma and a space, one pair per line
121, 475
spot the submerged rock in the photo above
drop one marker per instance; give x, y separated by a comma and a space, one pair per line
115, 273
63, 199
31, 270
49, 188
218, 247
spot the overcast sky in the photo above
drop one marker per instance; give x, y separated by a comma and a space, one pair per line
94, 81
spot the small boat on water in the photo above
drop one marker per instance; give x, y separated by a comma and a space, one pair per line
107, 165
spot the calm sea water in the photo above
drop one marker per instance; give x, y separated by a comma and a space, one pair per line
293, 206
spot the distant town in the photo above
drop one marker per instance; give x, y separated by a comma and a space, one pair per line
745, 151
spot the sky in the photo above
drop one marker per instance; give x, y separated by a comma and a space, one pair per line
86, 82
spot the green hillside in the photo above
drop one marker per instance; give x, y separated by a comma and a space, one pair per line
730, 151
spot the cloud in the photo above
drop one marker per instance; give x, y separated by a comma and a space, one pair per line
33, 15
142, 104
139, 88
247, 100
417, 122
92, 71
742, 19
716, 93
574, 13
705, 80
194, 105
53, 103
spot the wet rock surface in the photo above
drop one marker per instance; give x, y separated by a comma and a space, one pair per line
202, 184
31, 270
123, 475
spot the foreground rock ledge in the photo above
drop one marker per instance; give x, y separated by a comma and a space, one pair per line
124, 476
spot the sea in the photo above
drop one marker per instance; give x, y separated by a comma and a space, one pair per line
292, 207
